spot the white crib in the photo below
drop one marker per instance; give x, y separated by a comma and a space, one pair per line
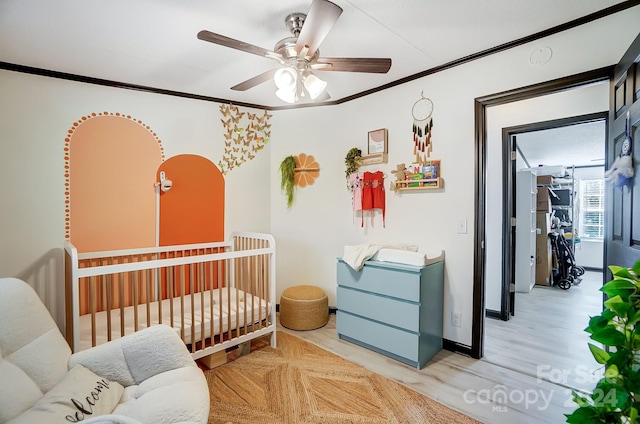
215, 295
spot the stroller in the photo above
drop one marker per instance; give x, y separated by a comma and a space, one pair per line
565, 271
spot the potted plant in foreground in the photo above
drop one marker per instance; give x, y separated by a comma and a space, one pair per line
616, 397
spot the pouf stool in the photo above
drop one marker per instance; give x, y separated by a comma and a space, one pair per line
304, 308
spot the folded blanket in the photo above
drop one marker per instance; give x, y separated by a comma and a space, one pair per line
419, 258
356, 255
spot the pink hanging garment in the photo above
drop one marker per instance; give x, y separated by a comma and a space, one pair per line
355, 182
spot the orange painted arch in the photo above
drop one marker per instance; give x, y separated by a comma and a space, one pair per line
192, 210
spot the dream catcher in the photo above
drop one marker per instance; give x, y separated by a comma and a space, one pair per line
422, 124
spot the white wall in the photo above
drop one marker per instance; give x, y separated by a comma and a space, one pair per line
35, 113
314, 231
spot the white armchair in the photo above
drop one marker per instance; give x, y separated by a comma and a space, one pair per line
145, 377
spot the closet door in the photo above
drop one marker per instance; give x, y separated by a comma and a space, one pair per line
623, 205
526, 190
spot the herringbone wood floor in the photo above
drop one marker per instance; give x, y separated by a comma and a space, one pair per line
299, 382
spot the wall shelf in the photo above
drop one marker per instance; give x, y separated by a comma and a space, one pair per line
425, 184
373, 158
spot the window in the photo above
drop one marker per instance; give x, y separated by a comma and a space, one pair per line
592, 209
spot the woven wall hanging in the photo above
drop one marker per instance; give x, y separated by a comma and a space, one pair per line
422, 112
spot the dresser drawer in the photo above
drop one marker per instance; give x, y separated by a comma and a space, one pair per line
385, 280
380, 336
397, 313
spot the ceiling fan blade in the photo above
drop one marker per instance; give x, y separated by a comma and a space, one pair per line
353, 64
252, 82
221, 40
321, 17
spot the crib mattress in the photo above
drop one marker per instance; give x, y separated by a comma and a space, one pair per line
234, 307
407, 257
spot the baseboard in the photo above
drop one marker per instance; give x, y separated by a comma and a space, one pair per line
490, 313
456, 347
590, 268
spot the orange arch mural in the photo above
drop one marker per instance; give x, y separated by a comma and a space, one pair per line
192, 211
110, 167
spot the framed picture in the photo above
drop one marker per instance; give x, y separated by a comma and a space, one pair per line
377, 141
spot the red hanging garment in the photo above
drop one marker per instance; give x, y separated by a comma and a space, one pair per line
373, 194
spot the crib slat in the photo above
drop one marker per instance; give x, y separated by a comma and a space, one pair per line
148, 295
182, 282
92, 308
191, 299
239, 270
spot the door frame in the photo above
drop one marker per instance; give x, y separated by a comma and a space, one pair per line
480, 155
509, 143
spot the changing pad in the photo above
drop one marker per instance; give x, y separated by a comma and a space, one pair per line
407, 257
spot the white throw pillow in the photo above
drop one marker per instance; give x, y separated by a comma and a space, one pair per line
80, 395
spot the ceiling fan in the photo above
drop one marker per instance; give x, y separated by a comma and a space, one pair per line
299, 56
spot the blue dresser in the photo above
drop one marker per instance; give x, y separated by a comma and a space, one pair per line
393, 309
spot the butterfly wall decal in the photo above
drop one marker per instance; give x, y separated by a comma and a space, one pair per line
244, 129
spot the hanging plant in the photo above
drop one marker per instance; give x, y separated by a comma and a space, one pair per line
288, 172
352, 161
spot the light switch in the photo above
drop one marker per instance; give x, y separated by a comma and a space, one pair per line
462, 226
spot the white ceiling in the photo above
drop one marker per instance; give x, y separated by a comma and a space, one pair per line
153, 43
573, 145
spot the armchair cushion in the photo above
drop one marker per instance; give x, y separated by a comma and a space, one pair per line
137, 356
79, 395
151, 374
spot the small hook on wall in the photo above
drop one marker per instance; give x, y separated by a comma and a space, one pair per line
165, 183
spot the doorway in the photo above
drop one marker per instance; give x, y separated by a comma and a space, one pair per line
540, 328
485, 199
562, 157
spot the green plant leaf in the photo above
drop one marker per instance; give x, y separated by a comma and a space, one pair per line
636, 268
611, 372
608, 314
633, 415
583, 415
617, 305
622, 397
623, 273
609, 336
620, 287
620, 358
579, 399
634, 317
601, 356
596, 323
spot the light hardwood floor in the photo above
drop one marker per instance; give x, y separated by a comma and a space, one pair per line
546, 336
503, 387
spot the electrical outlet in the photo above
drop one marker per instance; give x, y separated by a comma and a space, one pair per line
462, 226
456, 319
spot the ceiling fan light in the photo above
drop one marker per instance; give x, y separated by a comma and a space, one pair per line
314, 85
286, 95
285, 78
